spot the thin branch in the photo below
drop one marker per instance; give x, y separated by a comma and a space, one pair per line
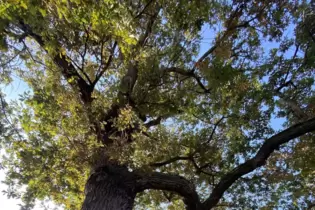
286, 84
3, 65
188, 74
258, 160
144, 9
109, 61
85, 48
218, 42
311, 35
101, 58
80, 69
67, 68
31, 55
172, 160
293, 58
83, 57
189, 158
215, 127
6, 117
130, 78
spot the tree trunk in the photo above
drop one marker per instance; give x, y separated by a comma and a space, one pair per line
110, 188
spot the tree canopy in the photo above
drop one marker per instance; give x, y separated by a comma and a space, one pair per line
128, 82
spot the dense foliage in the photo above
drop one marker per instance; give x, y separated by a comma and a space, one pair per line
139, 83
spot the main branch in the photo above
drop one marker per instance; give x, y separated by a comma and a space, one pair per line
168, 182
259, 160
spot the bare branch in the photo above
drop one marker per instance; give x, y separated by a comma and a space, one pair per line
85, 48
189, 158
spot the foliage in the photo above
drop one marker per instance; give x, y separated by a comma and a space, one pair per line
128, 78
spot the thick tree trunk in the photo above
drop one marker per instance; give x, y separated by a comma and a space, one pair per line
109, 188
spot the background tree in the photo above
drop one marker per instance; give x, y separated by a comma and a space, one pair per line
122, 100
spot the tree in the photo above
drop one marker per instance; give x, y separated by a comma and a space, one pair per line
122, 100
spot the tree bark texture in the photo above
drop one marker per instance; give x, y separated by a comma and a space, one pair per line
109, 188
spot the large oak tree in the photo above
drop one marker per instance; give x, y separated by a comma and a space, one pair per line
125, 108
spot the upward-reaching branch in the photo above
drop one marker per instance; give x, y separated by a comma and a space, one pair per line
107, 64
183, 187
128, 81
259, 160
230, 28
67, 68
144, 9
191, 74
85, 49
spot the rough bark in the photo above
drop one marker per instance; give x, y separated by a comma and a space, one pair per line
110, 188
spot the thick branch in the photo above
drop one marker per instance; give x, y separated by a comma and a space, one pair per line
129, 79
154, 122
259, 160
173, 183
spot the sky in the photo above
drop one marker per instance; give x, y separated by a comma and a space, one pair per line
6, 204
13, 91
